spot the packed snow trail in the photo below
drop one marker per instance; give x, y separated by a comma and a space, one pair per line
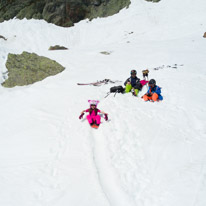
109, 181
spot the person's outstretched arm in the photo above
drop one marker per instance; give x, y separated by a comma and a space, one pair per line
103, 112
83, 111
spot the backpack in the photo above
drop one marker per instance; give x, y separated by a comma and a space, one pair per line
117, 89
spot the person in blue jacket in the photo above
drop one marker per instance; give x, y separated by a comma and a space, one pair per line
133, 83
154, 92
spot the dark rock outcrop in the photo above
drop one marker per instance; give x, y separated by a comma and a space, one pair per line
57, 47
105, 52
153, 0
2, 37
27, 68
204, 35
60, 12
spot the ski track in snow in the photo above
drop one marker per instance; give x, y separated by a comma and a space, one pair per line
106, 174
96, 163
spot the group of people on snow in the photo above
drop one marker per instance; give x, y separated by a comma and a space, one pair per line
132, 84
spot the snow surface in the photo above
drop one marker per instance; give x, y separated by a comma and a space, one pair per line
147, 154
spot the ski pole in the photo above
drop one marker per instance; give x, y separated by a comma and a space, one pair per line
107, 94
115, 93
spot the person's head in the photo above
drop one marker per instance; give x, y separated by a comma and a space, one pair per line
92, 106
133, 73
152, 83
93, 103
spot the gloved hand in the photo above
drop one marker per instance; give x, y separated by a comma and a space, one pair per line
81, 115
106, 117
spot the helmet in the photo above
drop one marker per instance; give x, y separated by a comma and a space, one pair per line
93, 102
152, 81
133, 72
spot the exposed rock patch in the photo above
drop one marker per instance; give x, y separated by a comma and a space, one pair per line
57, 47
2, 37
27, 68
105, 52
155, 1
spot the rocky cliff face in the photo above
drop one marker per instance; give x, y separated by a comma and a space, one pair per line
60, 12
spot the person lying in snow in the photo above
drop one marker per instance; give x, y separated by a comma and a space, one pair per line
154, 92
133, 83
93, 118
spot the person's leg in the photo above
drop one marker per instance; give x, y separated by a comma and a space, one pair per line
136, 91
155, 97
146, 98
137, 88
128, 88
89, 118
98, 119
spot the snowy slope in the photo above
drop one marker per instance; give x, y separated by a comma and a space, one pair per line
147, 154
